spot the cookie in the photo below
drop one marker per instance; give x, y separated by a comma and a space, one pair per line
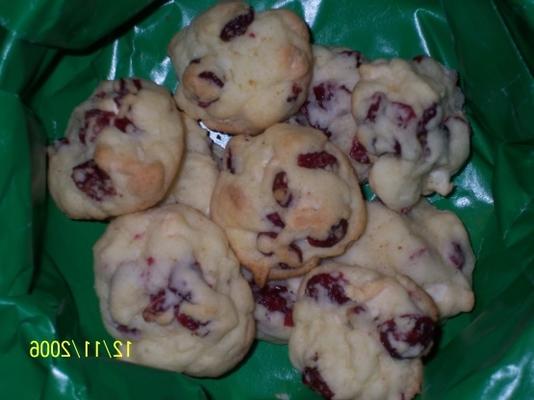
427, 245
194, 183
286, 199
409, 115
242, 71
120, 153
273, 310
168, 282
329, 103
360, 334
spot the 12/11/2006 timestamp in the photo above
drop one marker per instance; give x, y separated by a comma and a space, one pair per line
88, 348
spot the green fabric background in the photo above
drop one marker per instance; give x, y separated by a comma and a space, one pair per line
54, 52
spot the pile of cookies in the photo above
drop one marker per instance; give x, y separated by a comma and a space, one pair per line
270, 237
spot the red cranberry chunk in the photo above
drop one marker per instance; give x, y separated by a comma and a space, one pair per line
194, 325
276, 220
123, 123
211, 77
261, 237
419, 58
230, 161
335, 235
428, 115
353, 53
206, 104
313, 379
93, 181
295, 248
156, 306
281, 193
457, 257
407, 336
295, 91
95, 121
126, 329
237, 26
373, 109
332, 284
358, 152
137, 83
403, 114
324, 92
320, 159
275, 298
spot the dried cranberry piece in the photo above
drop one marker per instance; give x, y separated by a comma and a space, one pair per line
312, 377
353, 53
126, 329
275, 298
358, 309
419, 58
333, 284
397, 148
194, 325
97, 120
428, 114
150, 260
324, 92
358, 152
320, 159
457, 257
372, 111
123, 123
229, 161
407, 336
211, 77
335, 235
156, 306
195, 61
137, 83
403, 114
206, 104
237, 26
295, 90
295, 247
93, 181
276, 220
281, 193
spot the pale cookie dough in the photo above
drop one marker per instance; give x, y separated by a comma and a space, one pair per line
194, 183
242, 71
409, 115
328, 106
427, 245
286, 199
168, 282
120, 153
360, 334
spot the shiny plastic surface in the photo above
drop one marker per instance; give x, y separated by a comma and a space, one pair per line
54, 52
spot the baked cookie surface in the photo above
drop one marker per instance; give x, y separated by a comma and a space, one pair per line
120, 153
360, 334
286, 199
428, 245
195, 180
242, 71
168, 282
409, 115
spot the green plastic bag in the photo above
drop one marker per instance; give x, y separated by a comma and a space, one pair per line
54, 52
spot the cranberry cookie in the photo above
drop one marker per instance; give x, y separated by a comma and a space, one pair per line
198, 172
409, 115
427, 245
286, 199
328, 106
242, 71
359, 334
168, 282
120, 153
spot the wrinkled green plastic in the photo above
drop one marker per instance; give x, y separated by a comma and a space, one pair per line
54, 52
